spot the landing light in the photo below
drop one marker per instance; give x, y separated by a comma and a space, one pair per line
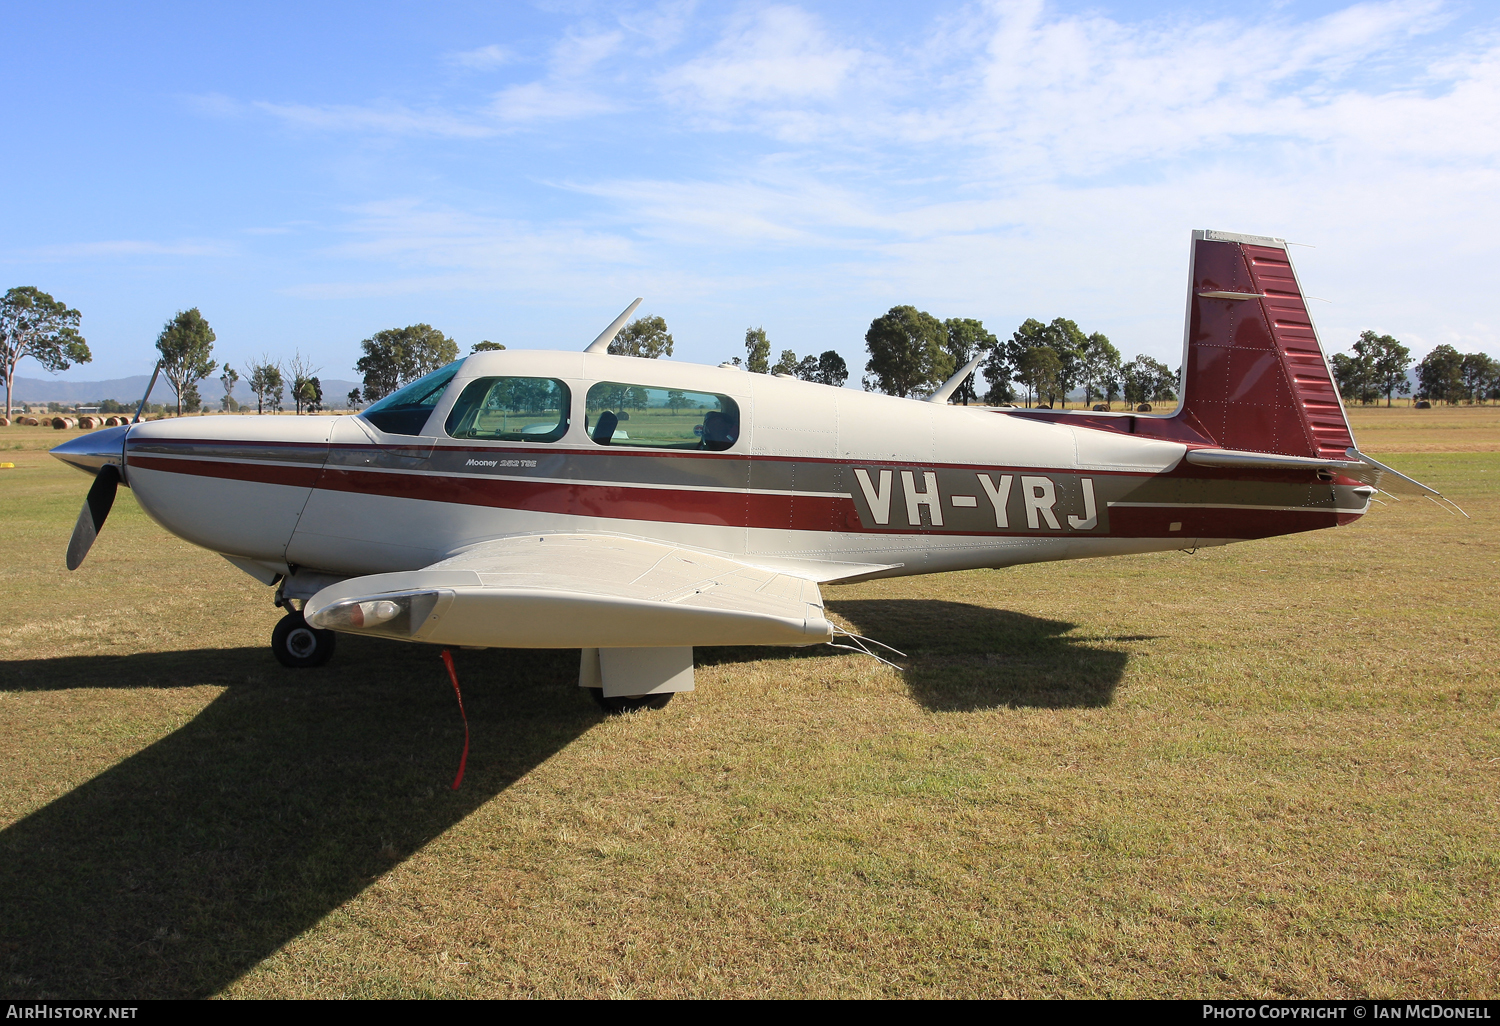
355, 615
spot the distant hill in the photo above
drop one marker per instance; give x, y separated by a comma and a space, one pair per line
128, 390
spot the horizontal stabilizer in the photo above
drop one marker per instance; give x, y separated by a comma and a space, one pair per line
579, 591
1392, 482
1357, 466
1265, 461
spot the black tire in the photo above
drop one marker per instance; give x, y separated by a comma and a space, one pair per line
299, 646
630, 703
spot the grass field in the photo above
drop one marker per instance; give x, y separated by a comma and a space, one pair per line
1271, 769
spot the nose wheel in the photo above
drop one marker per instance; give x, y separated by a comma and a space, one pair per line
297, 645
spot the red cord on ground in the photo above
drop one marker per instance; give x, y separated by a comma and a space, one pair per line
453, 676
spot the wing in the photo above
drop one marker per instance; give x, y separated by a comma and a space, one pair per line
578, 591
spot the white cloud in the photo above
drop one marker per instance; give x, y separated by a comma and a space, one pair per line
394, 120
1010, 161
128, 248
540, 101
771, 55
483, 58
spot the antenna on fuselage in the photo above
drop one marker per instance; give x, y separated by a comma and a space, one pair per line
601, 344
142, 408
950, 386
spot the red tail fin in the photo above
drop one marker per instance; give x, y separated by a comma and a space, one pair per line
1254, 376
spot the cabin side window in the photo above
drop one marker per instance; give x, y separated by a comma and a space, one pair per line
406, 410
511, 410
660, 418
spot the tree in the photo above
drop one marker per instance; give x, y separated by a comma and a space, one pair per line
787, 364
1039, 369
645, 337
189, 401
967, 338
487, 347
1165, 389
186, 344
676, 400
301, 371
1477, 371
353, 398
758, 351
1391, 359
1068, 342
1440, 375
266, 382
398, 356
1352, 375
832, 370
312, 395
907, 351
1148, 380
1000, 367
34, 324
229, 379
1099, 369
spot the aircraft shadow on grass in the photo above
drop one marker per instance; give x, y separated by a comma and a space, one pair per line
962, 657
176, 871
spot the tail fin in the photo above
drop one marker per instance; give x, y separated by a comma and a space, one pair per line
1254, 377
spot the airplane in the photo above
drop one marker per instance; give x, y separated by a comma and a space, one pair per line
636, 509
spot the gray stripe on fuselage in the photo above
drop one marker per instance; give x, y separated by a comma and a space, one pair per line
298, 454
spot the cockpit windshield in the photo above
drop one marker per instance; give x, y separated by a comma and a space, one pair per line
405, 411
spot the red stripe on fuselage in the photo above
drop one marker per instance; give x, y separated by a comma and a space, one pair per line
292, 475
1240, 524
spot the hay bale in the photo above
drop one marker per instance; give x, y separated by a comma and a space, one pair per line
1101, 407
86, 422
63, 423
1143, 408
4, 422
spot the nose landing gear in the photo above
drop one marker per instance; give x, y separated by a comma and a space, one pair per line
297, 645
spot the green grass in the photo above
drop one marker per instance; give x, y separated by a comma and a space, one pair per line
1263, 770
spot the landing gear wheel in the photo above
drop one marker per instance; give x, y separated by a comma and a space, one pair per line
629, 703
299, 646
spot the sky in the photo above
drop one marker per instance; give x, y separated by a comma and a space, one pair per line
309, 174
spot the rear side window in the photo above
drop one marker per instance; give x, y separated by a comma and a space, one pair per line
660, 418
405, 410
511, 410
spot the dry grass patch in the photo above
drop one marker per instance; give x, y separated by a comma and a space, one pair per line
1269, 769
1379, 429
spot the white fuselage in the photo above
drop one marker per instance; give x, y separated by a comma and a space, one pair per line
827, 483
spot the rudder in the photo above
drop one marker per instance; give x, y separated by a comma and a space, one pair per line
1254, 375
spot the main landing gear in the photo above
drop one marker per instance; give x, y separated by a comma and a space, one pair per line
297, 645
629, 703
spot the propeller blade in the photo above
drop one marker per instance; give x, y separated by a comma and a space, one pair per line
91, 519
